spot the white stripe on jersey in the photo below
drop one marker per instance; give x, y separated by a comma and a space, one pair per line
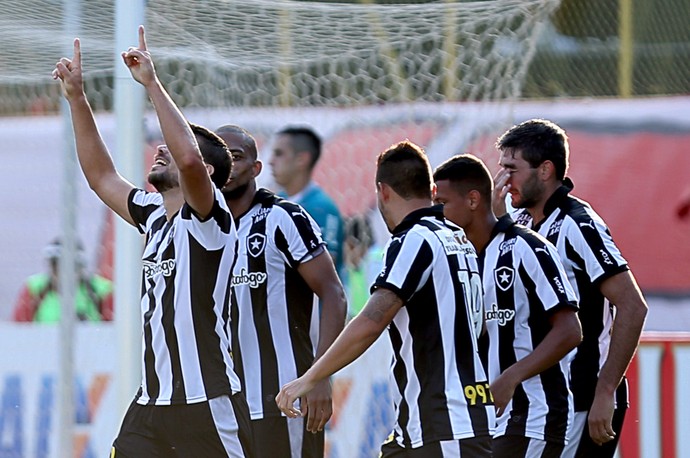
185, 353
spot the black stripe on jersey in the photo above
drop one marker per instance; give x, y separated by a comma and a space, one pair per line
152, 382
422, 260
585, 366
220, 216
556, 394
262, 323
168, 325
203, 277
400, 376
506, 354
427, 359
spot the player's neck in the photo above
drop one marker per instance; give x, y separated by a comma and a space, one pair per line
536, 211
480, 230
297, 184
240, 204
173, 199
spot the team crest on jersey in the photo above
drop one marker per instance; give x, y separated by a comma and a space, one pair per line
256, 244
504, 277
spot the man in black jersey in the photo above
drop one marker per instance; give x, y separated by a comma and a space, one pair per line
534, 162
428, 295
189, 403
277, 329
531, 315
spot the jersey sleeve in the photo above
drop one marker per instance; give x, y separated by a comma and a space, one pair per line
297, 235
212, 231
592, 248
144, 207
407, 265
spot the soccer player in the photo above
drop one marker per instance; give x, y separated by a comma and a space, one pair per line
189, 403
427, 295
531, 315
295, 153
281, 263
534, 161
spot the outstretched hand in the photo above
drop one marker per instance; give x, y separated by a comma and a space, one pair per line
139, 62
70, 75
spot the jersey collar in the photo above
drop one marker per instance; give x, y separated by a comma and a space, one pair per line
412, 218
558, 197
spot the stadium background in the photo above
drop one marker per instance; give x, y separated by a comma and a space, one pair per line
448, 75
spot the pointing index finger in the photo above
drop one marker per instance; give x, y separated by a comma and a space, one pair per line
142, 38
76, 60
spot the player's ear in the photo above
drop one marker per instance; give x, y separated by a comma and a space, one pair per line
546, 170
474, 197
209, 168
257, 168
384, 190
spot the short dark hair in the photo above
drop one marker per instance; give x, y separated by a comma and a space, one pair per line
539, 140
466, 172
405, 168
215, 152
304, 139
249, 140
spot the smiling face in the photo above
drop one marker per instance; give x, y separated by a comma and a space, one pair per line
526, 190
245, 167
164, 174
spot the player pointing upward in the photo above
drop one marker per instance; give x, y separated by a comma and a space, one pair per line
189, 403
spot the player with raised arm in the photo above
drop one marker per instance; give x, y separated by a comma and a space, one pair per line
189, 403
534, 162
531, 315
282, 266
426, 295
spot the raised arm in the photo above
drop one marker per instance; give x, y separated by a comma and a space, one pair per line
357, 336
195, 181
319, 273
94, 159
631, 311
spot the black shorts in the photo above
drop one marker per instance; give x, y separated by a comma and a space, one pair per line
276, 437
215, 428
475, 447
512, 446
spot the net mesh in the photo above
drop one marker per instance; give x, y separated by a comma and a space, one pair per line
284, 53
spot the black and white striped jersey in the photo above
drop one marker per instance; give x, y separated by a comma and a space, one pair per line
274, 312
589, 256
185, 303
442, 388
524, 283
